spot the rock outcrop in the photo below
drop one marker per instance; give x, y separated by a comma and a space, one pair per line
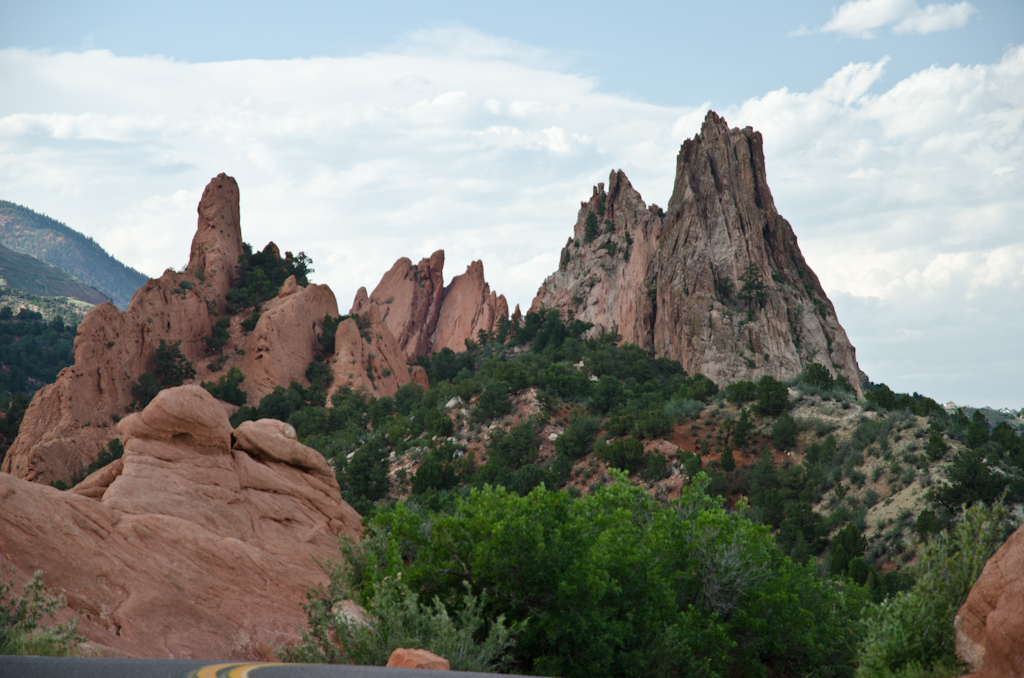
198, 543
716, 282
71, 420
403, 658
367, 356
990, 623
424, 315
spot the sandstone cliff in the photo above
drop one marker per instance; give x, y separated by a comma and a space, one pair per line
990, 623
198, 543
424, 315
673, 281
71, 420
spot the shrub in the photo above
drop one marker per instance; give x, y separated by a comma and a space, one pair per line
915, 628
772, 396
20, 617
784, 432
227, 387
578, 438
215, 342
145, 389
936, 448
741, 392
249, 324
590, 231
396, 618
701, 388
170, 367
626, 454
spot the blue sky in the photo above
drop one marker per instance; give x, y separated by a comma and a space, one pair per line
894, 132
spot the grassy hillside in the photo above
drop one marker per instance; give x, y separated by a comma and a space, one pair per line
28, 232
27, 274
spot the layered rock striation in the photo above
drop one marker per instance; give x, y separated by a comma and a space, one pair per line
200, 542
70, 421
426, 316
716, 281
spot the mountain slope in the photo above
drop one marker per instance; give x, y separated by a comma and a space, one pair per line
28, 274
29, 232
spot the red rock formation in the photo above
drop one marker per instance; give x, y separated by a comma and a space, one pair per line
424, 315
469, 306
990, 624
189, 546
672, 281
417, 659
282, 345
71, 420
409, 300
367, 356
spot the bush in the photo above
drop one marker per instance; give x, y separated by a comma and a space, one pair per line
578, 438
915, 628
701, 388
227, 387
494, 402
590, 229
741, 392
772, 396
170, 367
626, 454
145, 389
215, 342
784, 432
395, 618
20, 630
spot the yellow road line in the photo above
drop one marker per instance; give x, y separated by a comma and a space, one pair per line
230, 670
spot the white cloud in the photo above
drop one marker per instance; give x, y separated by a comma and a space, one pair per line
861, 18
907, 201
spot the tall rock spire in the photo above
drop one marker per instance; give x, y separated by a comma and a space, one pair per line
717, 281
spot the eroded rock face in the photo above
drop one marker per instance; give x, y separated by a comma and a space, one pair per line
367, 356
189, 546
426, 316
672, 281
990, 624
409, 300
71, 420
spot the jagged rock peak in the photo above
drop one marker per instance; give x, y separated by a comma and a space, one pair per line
218, 239
716, 282
423, 314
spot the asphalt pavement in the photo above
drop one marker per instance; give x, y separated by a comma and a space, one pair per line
81, 667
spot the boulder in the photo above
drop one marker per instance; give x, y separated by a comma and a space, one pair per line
672, 280
402, 658
990, 624
189, 546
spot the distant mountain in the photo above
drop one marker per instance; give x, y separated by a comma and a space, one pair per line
46, 239
28, 274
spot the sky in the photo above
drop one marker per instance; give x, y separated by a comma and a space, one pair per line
361, 132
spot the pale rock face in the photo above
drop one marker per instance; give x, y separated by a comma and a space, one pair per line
990, 624
218, 239
670, 294
424, 315
186, 547
370, 358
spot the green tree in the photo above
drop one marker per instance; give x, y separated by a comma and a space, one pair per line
227, 387
590, 230
727, 461
784, 432
772, 396
753, 293
169, 365
936, 448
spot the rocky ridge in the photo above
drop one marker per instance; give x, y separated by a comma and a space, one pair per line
198, 543
716, 282
70, 421
426, 316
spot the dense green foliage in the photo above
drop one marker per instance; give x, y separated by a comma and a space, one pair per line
32, 351
20, 630
228, 387
261, 274
169, 368
617, 584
